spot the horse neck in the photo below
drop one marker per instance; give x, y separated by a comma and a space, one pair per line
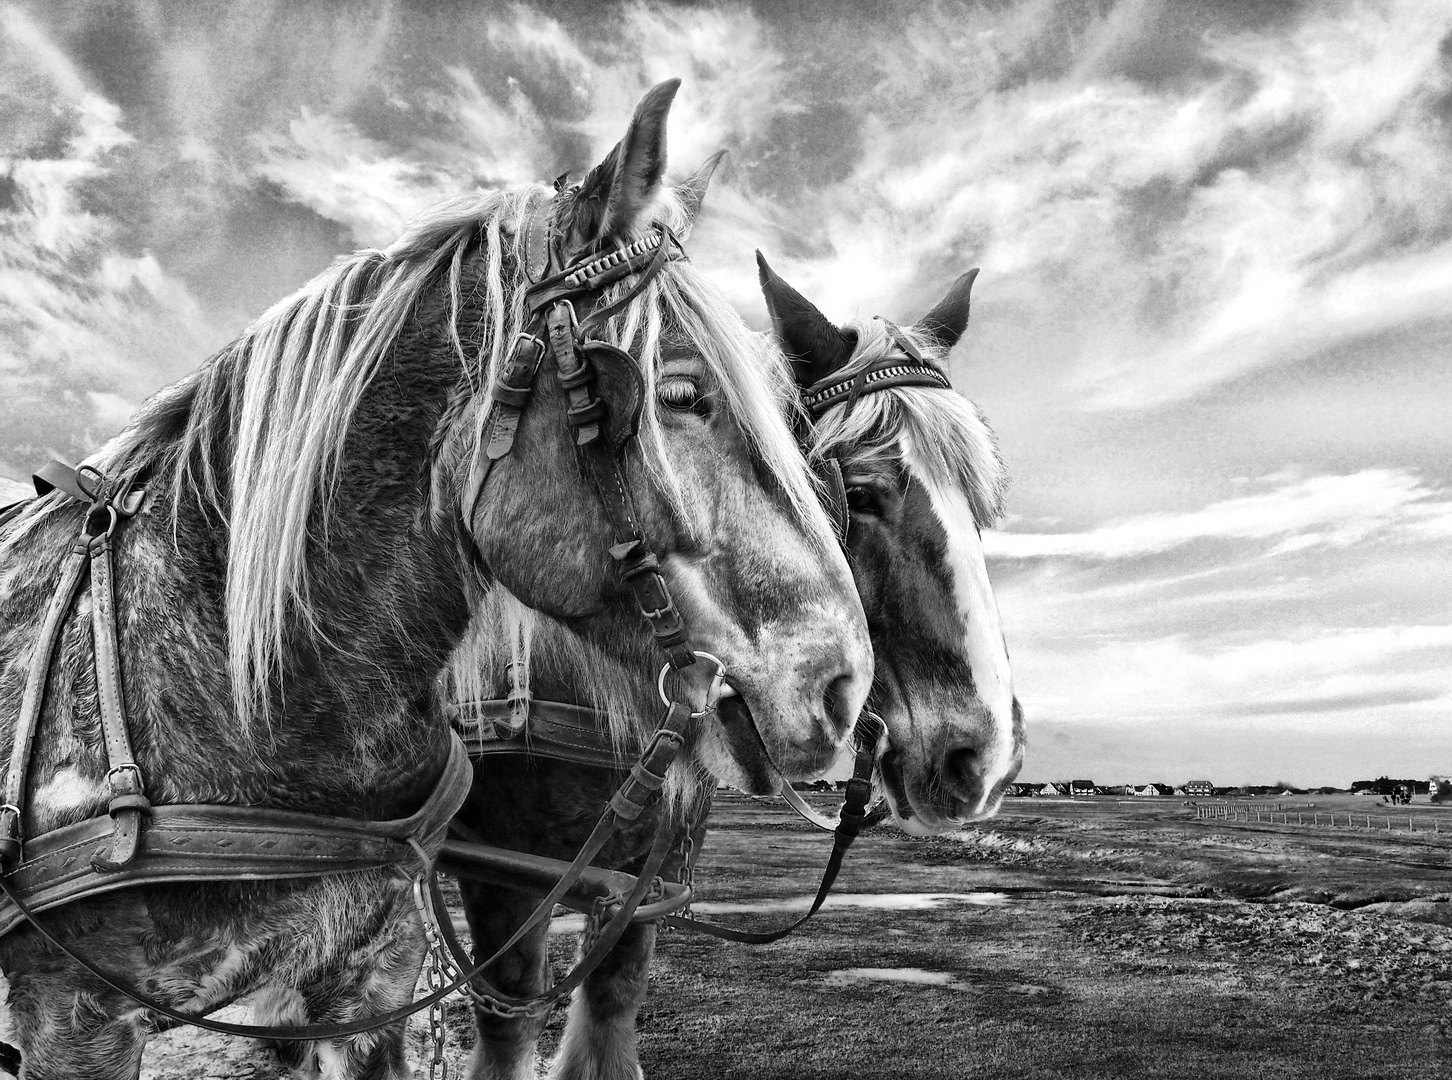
387, 585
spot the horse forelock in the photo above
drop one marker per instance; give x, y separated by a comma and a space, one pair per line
949, 434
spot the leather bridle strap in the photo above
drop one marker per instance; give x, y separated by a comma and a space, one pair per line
854, 815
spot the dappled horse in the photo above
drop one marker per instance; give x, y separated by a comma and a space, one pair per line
302, 529
921, 475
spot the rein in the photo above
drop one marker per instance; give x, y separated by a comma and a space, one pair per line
603, 428
522, 724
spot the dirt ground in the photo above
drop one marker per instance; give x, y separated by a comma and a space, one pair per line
1092, 938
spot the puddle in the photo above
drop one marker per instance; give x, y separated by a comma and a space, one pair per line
575, 924
847, 976
878, 901
922, 977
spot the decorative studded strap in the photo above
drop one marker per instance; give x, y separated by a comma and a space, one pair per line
821, 396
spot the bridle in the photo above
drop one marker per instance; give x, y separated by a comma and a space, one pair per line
523, 724
606, 395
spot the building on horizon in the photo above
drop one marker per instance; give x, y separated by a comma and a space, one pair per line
1202, 788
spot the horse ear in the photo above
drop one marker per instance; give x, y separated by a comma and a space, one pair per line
815, 346
693, 192
617, 192
949, 318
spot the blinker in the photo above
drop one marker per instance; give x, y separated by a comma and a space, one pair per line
618, 383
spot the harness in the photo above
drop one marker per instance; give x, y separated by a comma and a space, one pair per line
140, 843
521, 724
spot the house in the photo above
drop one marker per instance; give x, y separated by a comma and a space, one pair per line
1200, 789
1153, 789
1082, 787
1440, 788
1053, 789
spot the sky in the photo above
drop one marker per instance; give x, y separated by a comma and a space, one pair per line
1211, 330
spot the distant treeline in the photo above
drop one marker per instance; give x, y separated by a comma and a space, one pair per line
1385, 786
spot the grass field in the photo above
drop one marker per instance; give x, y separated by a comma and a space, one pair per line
1093, 938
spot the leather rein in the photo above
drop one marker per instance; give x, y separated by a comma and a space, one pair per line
193, 842
564, 731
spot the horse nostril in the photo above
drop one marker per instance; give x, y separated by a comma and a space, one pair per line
837, 699
963, 771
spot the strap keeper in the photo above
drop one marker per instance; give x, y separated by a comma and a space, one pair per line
591, 412
583, 375
122, 803
513, 396
646, 775
9, 833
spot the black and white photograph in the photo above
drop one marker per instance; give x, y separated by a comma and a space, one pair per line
819, 539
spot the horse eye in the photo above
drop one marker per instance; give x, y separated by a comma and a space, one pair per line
682, 394
861, 500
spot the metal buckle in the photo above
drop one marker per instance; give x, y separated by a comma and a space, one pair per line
713, 692
134, 768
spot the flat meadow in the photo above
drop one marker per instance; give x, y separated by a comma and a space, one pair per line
1101, 937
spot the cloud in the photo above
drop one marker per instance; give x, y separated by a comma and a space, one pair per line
83, 325
1179, 678
1337, 511
328, 166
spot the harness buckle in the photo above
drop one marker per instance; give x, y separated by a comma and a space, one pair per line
136, 786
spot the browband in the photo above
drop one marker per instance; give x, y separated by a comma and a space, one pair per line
889, 371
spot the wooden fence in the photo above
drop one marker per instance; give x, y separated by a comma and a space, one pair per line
1346, 819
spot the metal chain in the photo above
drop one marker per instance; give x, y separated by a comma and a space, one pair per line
441, 963
687, 873
438, 1067
595, 921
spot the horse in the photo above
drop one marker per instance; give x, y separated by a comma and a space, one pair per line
921, 476
302, 530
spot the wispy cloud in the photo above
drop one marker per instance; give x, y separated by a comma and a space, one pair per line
1330, 510
81, 323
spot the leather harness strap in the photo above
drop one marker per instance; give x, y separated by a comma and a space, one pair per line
107, 508
218, 842
554, 729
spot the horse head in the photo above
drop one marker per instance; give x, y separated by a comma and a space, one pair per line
922, 477
713, 481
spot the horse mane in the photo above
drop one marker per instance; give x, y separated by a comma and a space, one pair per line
254, 438
945, 432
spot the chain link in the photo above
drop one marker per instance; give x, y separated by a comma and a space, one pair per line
441, 963
438, 1034
687, 873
